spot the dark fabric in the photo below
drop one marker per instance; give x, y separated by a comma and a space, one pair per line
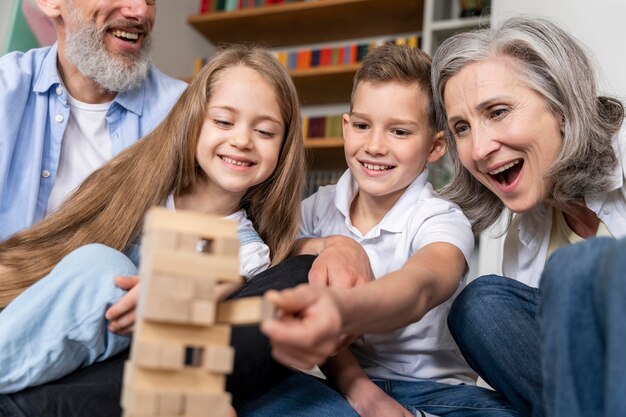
95, 391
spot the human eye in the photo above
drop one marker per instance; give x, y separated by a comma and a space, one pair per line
460, 129
264, 133
498, 113
150, 2
222, 123
400, 132
360, 125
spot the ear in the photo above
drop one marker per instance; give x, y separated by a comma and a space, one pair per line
345, 123
51, 8
438, 147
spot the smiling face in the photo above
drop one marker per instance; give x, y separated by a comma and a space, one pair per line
388, 138
109, 41
241, 137
505, 134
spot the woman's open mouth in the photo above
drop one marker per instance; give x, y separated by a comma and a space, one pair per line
507, 174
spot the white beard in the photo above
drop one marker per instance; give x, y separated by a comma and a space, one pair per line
85, 48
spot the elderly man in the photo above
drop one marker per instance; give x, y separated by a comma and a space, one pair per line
67, 109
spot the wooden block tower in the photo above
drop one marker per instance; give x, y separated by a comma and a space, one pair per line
181, 354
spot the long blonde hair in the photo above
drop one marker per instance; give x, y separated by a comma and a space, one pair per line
109, 207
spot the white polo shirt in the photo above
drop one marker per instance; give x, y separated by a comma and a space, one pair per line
422, 350
526, 244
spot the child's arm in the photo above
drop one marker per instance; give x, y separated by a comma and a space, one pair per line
428, 278
367, 399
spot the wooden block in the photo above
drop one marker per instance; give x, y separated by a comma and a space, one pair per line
227, 247
171, 403
250, 310
157, 380
219, 359
142, 402
165, 310
203, 266
145, 353
204, 289
172, 356
187, 222
203, 312
200, 404
183, 334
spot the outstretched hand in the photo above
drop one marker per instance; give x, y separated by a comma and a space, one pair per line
308, 327
121, 315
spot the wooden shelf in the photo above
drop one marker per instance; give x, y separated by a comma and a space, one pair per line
324, 85
311, 22
321, 143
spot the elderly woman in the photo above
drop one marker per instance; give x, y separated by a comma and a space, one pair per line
528, 136
527, 132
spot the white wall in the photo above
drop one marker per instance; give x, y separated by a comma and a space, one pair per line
598, 24
176, 43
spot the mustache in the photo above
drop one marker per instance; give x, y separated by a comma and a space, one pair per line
125, 24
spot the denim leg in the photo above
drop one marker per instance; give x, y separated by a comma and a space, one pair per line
493, 320
447, 400
299, 395
582, 324
58, 324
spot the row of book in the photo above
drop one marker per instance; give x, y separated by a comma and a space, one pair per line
319, 177
339, 55
211, 6
317, 127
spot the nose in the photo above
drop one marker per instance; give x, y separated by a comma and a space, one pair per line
141, 11
484, 143
376, 143
241, 140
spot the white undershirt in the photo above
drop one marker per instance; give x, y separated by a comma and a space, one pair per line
85, 147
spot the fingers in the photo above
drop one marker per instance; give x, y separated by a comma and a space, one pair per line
121, 315
124, 325
307, 328
126, 283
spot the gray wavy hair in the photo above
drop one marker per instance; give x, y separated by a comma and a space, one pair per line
554, 64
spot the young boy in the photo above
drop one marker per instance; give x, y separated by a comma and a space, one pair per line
418, 246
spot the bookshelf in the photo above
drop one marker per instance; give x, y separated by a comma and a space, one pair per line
289, 24
442, 20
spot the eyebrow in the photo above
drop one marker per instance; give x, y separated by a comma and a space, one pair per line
394, 120
482, 106
234, 110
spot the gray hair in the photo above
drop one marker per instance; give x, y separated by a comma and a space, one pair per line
554, 64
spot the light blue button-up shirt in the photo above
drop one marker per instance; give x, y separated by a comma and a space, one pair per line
33, 115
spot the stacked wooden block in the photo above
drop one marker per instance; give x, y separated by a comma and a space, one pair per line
181, 352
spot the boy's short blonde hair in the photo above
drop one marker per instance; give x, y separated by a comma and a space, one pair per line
397, 63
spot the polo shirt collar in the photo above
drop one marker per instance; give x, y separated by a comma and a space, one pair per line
395, 220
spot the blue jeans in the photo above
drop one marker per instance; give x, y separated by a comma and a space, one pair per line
556, 351
582, 318
57, 325
303, 395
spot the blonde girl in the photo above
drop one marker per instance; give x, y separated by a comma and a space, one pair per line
231, 146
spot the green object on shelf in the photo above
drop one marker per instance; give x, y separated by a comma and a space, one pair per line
19, 37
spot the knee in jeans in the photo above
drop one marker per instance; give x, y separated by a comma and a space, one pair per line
466, 308
90, 262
